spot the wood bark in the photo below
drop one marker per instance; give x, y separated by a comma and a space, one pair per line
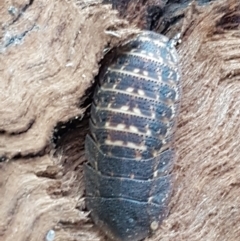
50, 52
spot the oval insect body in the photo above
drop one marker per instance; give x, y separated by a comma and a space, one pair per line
129, 148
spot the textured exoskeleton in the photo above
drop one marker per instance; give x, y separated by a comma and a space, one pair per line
129, 149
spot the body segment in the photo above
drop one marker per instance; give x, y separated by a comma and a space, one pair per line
129, 148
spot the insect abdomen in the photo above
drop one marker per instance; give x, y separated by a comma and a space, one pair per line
129, 149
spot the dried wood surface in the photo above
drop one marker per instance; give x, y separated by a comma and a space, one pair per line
49, 56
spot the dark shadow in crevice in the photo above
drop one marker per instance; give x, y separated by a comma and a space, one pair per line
45, 150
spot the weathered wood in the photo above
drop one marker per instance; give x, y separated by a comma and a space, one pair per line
49, 55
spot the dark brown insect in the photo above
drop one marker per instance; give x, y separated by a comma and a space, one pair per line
129, 149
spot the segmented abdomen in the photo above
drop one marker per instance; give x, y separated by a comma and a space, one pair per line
129, 149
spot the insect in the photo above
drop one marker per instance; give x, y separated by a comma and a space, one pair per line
129, 149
